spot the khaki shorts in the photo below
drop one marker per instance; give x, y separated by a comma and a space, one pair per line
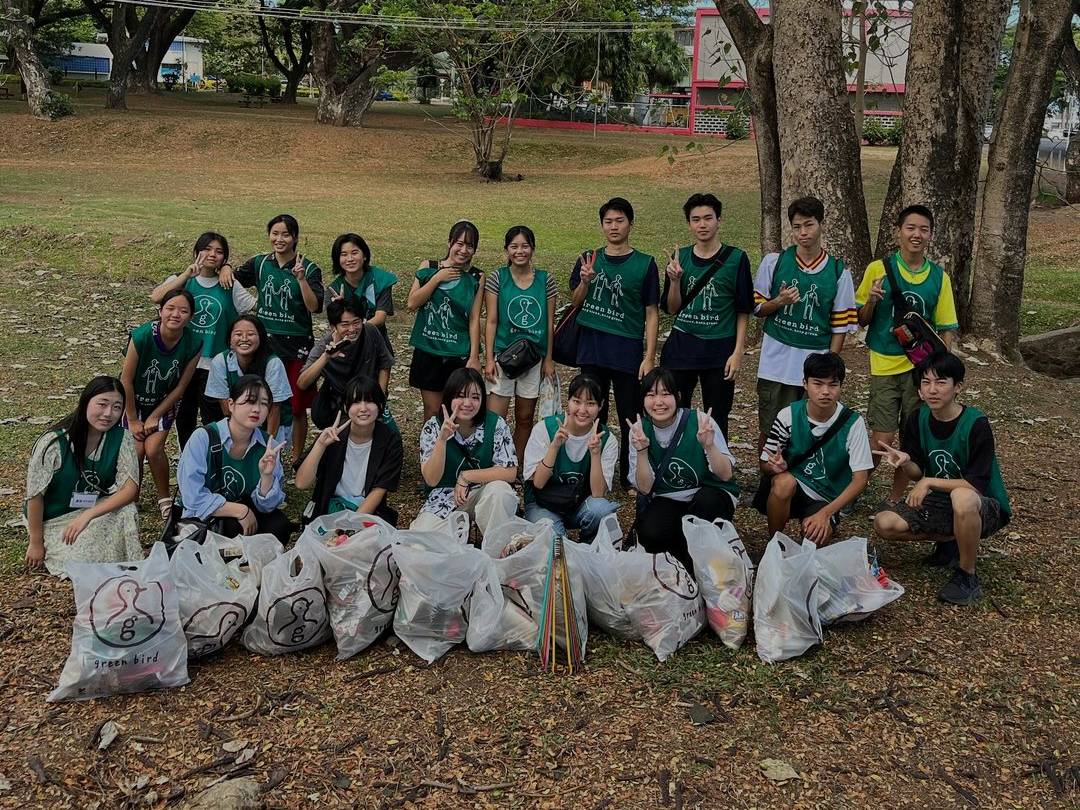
527, 386
773, 397
893, 399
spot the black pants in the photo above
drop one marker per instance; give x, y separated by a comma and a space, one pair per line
716, 392
195, 404
274, 522
627, 393
659, 525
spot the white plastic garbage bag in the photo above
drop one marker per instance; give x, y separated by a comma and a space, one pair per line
511, 535
291, 613
850, 586
216, 598
600, 577
725, 573
444, 596
127, 635
521, 577
662, 600
346, 521
787, 600
251, 553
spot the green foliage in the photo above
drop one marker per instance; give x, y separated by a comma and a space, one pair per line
874, 132
233, 43
895, 136
58, 105
734, 127
252, 85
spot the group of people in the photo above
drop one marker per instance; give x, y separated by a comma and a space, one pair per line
237, 347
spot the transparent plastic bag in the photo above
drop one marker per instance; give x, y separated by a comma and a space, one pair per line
662, 600
251, 553
786, 600
514, 534
126, 636
549, 399
291, 613
725, 573
216, 598
850, 588
595, 562
521, 576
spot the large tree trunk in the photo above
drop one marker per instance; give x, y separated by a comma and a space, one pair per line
819, 149
148, 60
754, 42
127, 35
998, 278
297, 65
886, 235
1070, 61
35, 79
344, 106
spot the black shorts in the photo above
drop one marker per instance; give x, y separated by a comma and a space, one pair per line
429, 372
803, 506
935, 517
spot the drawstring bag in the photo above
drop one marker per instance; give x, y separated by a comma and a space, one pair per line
291, 614
725, 573
215, 598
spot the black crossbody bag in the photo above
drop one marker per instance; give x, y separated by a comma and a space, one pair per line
699, 285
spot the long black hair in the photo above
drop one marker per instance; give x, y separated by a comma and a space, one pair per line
341, 241
76, 425
262, 354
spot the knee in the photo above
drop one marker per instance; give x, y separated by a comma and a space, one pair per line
783, 485
496, 488
889, 524
965, 501
595, 509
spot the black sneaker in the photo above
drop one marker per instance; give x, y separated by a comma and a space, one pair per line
962, 589
944, 555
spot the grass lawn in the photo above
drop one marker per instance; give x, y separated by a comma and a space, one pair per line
923, 706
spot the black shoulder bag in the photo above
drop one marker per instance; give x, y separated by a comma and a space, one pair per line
641, 503
698, 286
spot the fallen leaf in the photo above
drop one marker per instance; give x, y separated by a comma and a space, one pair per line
699, 715
107, 735
232, 746
245, 756
777, 770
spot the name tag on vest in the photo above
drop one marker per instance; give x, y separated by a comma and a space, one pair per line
83, 500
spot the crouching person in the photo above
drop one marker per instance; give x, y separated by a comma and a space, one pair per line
570, 464
230, 473
817, 453
959, 494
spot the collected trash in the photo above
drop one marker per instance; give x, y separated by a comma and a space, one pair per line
215, 597
292, 612
725, 573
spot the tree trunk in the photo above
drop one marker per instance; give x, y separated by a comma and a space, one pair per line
860, 75
127, 35
998, 277
344, 107
1072, 169
754, 41
292, 84
344, 99
35, 78
819, 149
886, 235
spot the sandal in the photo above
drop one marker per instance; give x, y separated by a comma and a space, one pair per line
165, 507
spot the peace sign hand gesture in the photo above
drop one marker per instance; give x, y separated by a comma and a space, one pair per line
195, 268
705, 435
638, 440
449, 425
331, 434
561, 434
594, 439
298, 267
588, 266
891, 455
336, 295
270, 458
877, 289
674, 268
776, 464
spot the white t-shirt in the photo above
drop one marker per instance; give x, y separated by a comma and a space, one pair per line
243, 301
664, 436
858, 443
780, 362
354, 473
576, 447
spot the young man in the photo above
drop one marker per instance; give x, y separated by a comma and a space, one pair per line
816, 487
708, 334
948, 450
618, 291
807, 300
894, 391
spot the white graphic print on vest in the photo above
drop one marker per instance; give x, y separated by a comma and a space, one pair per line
441, 313
91, 480
680, 475
523, 312
232, 481
810, 302
794, 285
815, 467
916, 302
611, 286
153, 375
207, 311
944, 465
708, 292
284, 293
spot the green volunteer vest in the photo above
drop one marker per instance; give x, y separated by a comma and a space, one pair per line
828, 471
522, 313
214, 314
96, 476
613, 303
458, 459
285, 408
711, 315
922, 297
372, 283
159, 371
947, 458
806, 324
235, 478
281, 305
688, 467
442, 324
566, 471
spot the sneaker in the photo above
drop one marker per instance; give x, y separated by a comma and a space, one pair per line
944, 555
962, 589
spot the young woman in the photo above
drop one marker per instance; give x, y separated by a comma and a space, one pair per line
466, 458
357, 278
232, 472
570, 464
159, 362
520, 306
289, 289
81, 484
681, 465
446, 297
215, 308
249, 353
355, 464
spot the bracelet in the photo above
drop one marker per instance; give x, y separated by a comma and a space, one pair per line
549, 466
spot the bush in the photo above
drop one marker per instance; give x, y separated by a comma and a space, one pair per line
734, 128
895, 135
873, 131
56, 75
58, 105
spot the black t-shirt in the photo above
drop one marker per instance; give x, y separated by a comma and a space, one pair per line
980, 447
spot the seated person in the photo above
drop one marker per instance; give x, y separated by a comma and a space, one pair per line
356, 473
814, 481
948, 451
82, 483
351, 348
570, 464
681, 465
230, 474
467, 458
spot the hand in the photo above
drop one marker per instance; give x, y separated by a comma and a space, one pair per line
75, 528
891, 455
588, 266
447, 272
646, 366
705, 435
298, 267
818, 527
731, 367
561, 435
674, 267
788, 295
449, 425
474, 364
269, 459
35, 554
595, 439
138, 430
248, 524
225, 276
877, 291
491, 370
336, 295
776, 464
331, 434
918, 493
337, 347
195, 268
461, 493
548, 368
638, 440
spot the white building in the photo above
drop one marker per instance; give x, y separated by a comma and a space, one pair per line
93, 60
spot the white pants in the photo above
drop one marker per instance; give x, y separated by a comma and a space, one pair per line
488, 505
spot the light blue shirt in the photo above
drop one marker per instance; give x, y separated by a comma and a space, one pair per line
199, 501
217, 384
